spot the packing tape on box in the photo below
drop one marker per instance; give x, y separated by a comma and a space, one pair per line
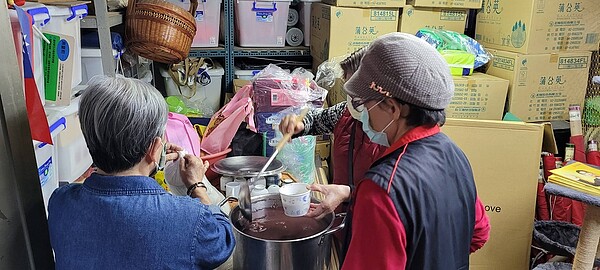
293, 17
294, 37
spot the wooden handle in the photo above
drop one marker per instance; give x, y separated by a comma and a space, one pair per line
288, 136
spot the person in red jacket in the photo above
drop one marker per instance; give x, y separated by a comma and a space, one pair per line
341, 120
417, 207
353, 152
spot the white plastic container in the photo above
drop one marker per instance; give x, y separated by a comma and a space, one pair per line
40, 17
261, 23
67, 20
208, 19
46, 157
209, 94
247, 74
73, 154
259, 190
244, 74
304, 10
91, 63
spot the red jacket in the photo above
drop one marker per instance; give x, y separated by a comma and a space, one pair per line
365, 151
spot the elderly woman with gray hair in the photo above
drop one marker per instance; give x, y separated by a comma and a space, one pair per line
120, 218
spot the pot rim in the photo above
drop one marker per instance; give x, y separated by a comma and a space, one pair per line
319, 234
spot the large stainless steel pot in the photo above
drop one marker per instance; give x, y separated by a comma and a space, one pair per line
312, 252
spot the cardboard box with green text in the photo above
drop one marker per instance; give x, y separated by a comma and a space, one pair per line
479, 96
415, 18
470, 4
542, 86
539, 26
337, 31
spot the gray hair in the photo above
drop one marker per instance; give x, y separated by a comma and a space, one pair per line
120, 117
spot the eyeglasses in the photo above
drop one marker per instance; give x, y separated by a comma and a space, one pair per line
359, 104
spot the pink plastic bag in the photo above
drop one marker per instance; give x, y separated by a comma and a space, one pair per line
181, 132
225, 123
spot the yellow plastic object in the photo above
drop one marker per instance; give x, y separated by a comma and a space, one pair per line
160, 179
200, 129
461, 63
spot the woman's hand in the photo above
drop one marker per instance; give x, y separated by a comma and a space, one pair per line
291, 124
334, 196
192, 170
172, 150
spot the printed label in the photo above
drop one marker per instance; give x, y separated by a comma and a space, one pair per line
504, 63
62, 50
58, 67
384, 15
577, 62
453, 15
266, 17
549, 103
491, 7
468, 102
45, 171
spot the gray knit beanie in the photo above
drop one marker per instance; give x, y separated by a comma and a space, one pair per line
405, 67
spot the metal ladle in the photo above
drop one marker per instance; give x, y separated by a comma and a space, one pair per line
245, 200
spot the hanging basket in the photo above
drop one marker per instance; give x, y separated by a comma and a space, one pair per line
160, 31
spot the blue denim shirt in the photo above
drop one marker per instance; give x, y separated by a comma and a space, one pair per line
130, 222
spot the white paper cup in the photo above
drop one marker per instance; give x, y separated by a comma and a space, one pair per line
232, 189
295, 199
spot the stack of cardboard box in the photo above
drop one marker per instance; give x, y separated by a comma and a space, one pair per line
340, 27
543, 49
443, 15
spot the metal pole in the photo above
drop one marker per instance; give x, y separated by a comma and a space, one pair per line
108, 62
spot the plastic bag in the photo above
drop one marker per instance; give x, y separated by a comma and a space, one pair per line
181, 132
177, 187
246, 143
173, 177
444, 40
461, 63
329, 71
223, 125
275, 89
299, 158
268, 126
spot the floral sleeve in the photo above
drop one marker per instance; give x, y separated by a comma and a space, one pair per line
323, 121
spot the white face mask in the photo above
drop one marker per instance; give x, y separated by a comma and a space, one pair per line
355, 114
378, 137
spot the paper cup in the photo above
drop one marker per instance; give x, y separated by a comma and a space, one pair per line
295, 199
232, 189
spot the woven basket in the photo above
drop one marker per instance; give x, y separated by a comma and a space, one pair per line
160, 31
